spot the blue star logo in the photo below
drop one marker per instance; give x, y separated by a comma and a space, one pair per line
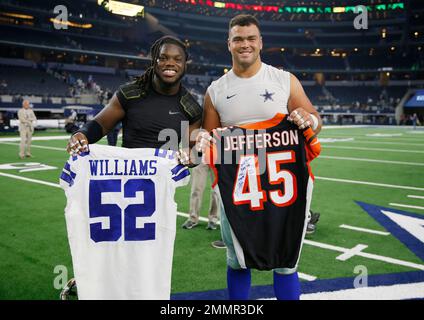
267, 95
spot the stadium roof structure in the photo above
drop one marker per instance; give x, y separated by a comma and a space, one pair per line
395, 31
288, 24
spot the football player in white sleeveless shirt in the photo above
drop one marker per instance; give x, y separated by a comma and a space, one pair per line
253, 91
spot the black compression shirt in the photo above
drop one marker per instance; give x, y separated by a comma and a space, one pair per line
146, 117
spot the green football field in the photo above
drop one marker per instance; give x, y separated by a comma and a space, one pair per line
375, 165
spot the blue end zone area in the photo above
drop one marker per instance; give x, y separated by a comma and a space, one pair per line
408, 239
327, 285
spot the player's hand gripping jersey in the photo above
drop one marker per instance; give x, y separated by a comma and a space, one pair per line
265, 185
121, 218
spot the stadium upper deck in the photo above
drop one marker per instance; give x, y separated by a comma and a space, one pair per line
316, 42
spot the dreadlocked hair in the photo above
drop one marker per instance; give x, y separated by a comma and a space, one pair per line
146, 78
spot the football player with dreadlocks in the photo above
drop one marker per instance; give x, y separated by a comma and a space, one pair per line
154, 101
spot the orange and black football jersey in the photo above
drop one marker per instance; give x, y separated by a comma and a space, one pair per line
265, 184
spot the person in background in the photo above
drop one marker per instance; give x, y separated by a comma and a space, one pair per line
199, 176
415, 120
27, 120
112, 136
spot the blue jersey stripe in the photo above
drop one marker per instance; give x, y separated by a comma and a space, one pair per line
183, 174
82, 154
177, 168
68, 168
66, 177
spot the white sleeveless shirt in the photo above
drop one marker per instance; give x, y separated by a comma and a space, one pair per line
245, 100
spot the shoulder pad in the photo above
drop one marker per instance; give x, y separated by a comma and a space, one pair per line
190, 106
131, 90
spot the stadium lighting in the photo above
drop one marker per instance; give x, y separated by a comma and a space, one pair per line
302, 9
71, 24
356, 49
383, 33
219, 4
393, 48
339, 9
282, 49
17, 15
122, 8
416, 34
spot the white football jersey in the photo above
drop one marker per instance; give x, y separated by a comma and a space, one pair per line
248, 100
121, 221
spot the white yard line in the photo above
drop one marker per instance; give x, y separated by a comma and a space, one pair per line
389, 292
56, 185
35, 146
306, 277
375, 138
378, 142
414, 196
373, 160
395, 143
351, 252
345, 226
367, 255
14, 139
344, 127
406, 206
309, 242
327, 146
369, 183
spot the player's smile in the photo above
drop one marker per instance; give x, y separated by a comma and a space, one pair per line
170, 73
245, 53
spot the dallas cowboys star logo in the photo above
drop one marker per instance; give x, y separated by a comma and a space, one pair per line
267, 95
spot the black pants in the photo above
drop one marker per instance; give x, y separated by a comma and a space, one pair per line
112, 137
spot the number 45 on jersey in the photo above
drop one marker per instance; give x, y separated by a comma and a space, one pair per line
248, 189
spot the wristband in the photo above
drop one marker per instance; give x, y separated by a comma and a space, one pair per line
93, 131
314, 122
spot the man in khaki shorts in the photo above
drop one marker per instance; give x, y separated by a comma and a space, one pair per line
26, 128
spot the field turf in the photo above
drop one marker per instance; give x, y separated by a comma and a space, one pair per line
376, 165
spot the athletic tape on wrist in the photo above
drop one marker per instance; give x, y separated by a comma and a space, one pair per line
314, 122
